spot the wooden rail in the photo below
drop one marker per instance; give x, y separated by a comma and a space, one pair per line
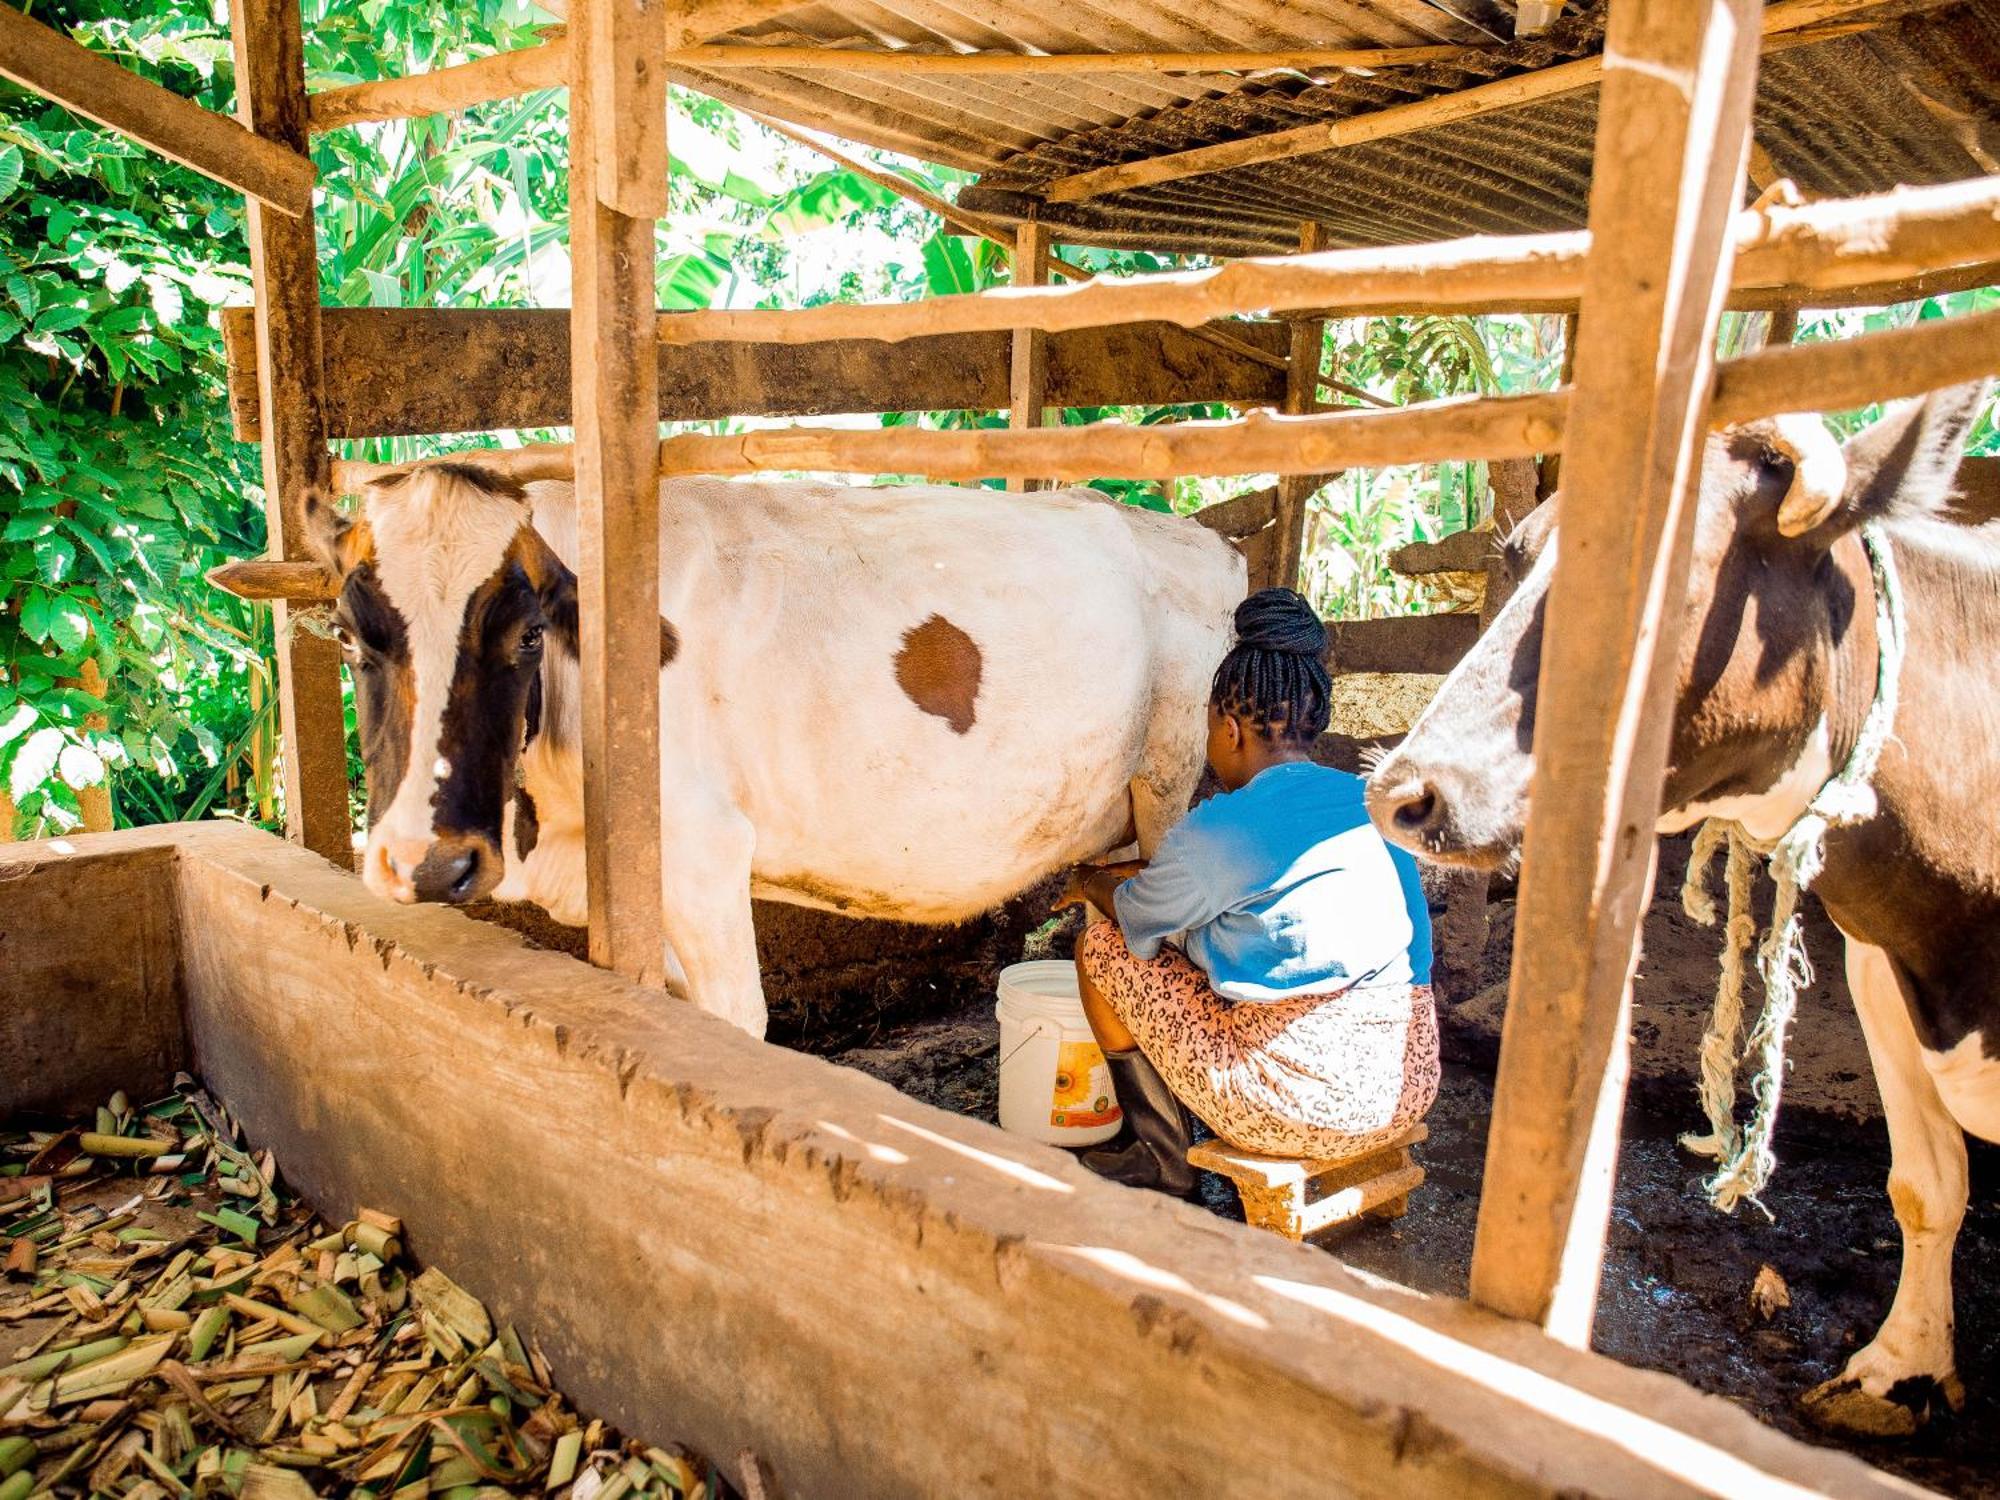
1808, 377
526, 69
1839, 243
97, 88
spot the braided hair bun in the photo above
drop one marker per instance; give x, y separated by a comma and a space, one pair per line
1274, 677
1279, 620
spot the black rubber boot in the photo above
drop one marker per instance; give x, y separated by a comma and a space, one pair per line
1151, 1150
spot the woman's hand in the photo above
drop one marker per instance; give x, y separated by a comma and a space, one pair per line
1093, 884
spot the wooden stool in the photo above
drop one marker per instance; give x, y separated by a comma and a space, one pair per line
1302, 1197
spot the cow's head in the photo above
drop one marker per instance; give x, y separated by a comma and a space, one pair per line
1765, 694
448, 600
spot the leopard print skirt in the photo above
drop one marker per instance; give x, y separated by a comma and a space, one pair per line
1318, 1075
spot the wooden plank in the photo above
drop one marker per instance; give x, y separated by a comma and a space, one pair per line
1307, 349
1828, 246
89, 990
1672, 134
628, 106
616, 401
525, 69
1399, 643
1242, 515
1855, 372
277, 174
1028, 360
1461, 552
554, 1089
392, 372
1781, 21
284, 272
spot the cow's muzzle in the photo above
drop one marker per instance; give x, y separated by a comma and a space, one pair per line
1425, 811
452, 868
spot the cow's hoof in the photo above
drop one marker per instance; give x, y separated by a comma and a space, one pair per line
1841, 1405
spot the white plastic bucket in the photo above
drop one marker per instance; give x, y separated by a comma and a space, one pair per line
1054, 1085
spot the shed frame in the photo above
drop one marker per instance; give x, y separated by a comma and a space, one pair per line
1666, 245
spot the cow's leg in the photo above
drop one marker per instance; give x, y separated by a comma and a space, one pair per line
705, 906
1892, 1384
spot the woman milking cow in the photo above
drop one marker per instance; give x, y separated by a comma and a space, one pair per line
1269, 968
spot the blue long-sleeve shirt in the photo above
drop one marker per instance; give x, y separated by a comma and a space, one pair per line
1281, 888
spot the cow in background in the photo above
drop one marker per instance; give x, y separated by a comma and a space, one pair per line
1776, 673
908, 703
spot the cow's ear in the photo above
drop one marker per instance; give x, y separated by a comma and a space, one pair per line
338, 542
1906, 463
554, 584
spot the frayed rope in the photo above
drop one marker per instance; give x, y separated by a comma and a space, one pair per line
1744, 1154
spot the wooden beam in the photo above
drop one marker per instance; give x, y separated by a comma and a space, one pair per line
1028, 360
284, 271
911, 62
1855, 372
1899, 362
1673, 129
1461, 552
398, 371
616, 402
1242, 515
629, 107
526, 69
1787, 16
1400, 643
266, 579
1308, 348
275, 174
1836, 243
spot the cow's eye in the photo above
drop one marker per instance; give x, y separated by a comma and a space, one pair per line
531, 640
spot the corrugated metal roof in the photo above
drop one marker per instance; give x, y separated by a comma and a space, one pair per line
1914, 101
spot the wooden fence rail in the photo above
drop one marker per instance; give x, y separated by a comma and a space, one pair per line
1795, 250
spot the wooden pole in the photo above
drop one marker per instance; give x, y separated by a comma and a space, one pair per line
284, 271
1551, 463
1672, 131
616, 403
1781, 22
1028, 367
277, 174
1829, 244
526, 69
1308, 347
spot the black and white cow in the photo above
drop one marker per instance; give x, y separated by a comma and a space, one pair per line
908, 702
1777, 670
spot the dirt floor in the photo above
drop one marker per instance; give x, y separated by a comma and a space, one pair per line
1677, 1279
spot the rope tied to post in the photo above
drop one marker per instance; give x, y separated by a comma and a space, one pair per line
1744, 1156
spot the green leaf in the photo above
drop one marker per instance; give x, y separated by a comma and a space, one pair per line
60, 319
25, 296
16, 722
35, 616
33, 762
69, 626
10, 169
55, 556
80, 766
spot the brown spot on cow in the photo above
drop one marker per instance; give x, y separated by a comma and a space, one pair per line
939, 669
670, 641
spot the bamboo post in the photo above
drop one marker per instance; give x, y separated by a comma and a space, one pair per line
1028, 367
1308, 347
284, 270
94, 802
616, 403
1672, 131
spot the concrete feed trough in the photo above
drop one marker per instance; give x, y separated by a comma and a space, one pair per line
742, 1247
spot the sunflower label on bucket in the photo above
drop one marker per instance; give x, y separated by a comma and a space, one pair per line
1082, 1095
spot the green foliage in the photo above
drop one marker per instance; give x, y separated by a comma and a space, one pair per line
119, 483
